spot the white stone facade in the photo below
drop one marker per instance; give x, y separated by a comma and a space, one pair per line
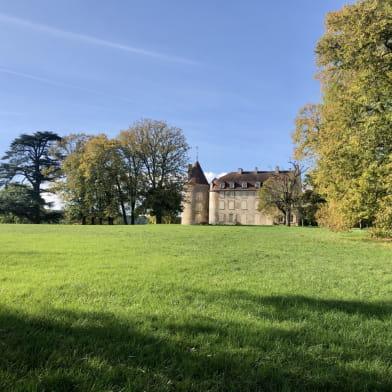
236, 207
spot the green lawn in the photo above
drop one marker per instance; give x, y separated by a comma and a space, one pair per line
172, 308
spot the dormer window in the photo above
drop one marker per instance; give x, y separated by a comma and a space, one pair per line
244, 185
257, 184
222, 185
232, 185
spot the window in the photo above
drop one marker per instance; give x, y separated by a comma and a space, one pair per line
222, 195
222, 218
257, 184
199, 196
232, 185
222, 185
231, 204
221, 204
231, 218
244, 204
244, 185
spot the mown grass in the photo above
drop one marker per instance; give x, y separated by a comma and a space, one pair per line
172, 308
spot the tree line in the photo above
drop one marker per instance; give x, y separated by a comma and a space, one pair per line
140, 171
347, 138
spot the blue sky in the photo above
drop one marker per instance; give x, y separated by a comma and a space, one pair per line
231, 74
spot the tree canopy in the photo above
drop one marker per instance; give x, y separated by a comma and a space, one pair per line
141, 169
30, 160
348, 136
282, 192
163, 153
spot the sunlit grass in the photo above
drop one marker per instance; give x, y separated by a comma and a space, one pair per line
173, 308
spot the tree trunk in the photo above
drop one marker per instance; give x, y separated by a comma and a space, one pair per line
37, 213
133, 212
123, 212
288, 220
83, 220
110, 221
37, 206
100, 220
93, 220
158, 218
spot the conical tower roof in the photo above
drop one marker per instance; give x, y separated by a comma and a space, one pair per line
196, 175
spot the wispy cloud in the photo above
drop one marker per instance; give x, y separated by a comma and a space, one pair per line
59, 84
87, 39
29, 76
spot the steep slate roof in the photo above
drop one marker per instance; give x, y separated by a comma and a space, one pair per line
238, 177
196, 175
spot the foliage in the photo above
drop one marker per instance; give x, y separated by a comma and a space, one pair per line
348, 136
332, 216
152, 308
282, 191
309, 205
383, 227
164, 203
162, 150
132, 173
92, 186
18, 205
141, 171
72, 187
100, 167
306, 135
19, 200
310, 202
11, 218
29, 160
383, 222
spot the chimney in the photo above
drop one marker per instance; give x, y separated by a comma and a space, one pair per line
277, 170
239, 171
256, 170
189, 171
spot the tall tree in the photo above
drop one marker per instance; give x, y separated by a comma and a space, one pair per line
282, 191
72, 186
29, 159
100, 166
348, 136
132, 178
163, 152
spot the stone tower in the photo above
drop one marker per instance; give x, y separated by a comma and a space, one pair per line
196, 197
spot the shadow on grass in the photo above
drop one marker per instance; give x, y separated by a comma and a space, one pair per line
83, 351
294, 304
